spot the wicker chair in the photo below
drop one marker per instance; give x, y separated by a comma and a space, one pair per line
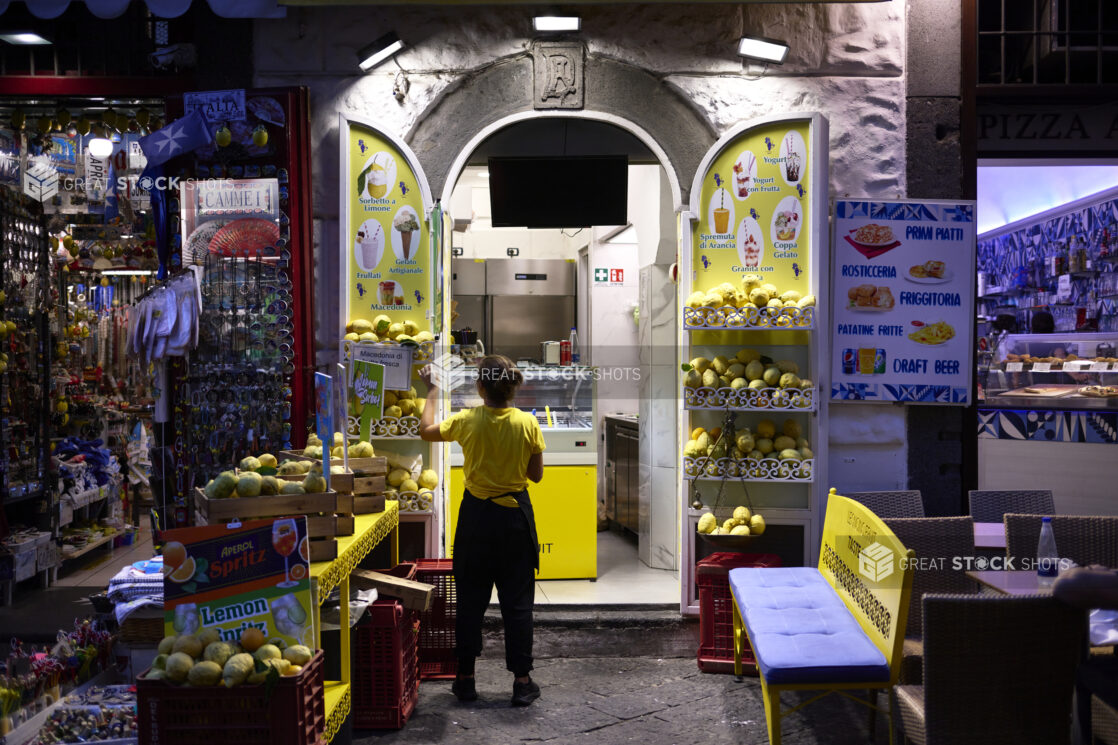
888, 504
979, 686
939, 539
1104, 721
989, 506
1083, 539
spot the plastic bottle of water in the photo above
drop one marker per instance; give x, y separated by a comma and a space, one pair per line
574, 346
1046, 557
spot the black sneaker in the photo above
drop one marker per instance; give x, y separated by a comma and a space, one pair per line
523, 694
464, 689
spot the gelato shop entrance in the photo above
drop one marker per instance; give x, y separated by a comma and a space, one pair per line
548, 216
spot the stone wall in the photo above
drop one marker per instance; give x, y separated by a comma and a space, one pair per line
847, 61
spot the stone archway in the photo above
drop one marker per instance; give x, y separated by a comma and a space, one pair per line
613, 90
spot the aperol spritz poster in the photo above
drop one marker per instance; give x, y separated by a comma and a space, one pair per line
256, 575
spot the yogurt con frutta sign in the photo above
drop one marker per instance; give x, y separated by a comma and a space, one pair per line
903, 306
756, 211
387, 255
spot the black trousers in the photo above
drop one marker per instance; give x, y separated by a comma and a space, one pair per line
494, 545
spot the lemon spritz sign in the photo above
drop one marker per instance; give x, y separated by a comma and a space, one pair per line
239, 576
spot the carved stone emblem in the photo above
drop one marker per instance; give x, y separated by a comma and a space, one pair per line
558, 74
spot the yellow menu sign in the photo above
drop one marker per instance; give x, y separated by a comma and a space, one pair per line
756, 210
387, 237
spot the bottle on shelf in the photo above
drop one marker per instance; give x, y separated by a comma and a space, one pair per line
574, 346
1047, 560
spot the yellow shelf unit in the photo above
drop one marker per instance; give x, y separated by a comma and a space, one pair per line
369, 530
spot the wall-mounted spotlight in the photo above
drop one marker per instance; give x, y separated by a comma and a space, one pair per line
373, 54
24, 38
765, 50
554, 24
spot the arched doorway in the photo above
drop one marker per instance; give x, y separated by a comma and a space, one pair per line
674, 137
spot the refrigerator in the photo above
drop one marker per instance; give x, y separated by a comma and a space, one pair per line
520, 303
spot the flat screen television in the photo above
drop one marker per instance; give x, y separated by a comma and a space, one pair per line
559, 192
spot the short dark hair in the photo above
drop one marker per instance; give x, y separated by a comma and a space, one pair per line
1006, 322
499, 377
1043, 323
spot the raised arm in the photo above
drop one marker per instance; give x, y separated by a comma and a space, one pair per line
428, 427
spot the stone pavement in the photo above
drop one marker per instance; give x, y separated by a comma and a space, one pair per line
608, 700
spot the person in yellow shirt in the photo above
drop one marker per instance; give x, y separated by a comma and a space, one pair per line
495, 540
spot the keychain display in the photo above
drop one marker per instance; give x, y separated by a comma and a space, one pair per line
235, 399
24, 349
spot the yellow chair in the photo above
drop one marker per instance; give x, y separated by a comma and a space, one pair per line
835, 628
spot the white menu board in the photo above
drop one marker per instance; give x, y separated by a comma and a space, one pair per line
902, 292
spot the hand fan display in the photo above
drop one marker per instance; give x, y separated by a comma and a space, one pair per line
245, 237
198, 243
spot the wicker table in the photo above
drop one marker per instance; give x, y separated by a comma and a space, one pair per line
1012, 582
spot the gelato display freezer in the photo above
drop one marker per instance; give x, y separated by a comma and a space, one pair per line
565, 502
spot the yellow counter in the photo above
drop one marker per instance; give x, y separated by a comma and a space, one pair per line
566, 508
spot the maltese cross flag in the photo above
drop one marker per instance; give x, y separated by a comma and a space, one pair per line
180, 136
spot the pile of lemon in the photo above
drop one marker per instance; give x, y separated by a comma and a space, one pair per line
206, 660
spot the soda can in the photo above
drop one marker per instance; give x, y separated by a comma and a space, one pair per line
564, 353
879, 362
848, 357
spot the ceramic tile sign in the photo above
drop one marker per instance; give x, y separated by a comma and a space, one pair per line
233, 577
386, 239
756, 212
903, 301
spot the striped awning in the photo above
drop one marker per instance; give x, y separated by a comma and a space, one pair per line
48, 9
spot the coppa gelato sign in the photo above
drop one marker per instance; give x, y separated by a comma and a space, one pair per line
387, 256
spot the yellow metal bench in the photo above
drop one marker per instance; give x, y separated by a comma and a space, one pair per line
835, 628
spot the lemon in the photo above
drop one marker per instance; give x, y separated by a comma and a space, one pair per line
260, 136
178, 666
223, 137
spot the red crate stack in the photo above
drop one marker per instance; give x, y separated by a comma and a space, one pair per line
294, 713
716, 609
436, 625
385, 662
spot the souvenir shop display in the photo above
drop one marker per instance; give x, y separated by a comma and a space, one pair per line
235, 397
24, 362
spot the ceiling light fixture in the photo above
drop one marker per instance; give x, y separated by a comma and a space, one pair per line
127, 273
100, 147
25, 38
556, 24
765, 50
373, 54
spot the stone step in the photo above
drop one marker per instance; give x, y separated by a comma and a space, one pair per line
597, 631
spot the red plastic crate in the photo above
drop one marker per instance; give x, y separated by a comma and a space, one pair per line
437, 659
294, 714
716, 609
385, 667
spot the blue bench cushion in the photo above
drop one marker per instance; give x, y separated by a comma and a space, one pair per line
800, 629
